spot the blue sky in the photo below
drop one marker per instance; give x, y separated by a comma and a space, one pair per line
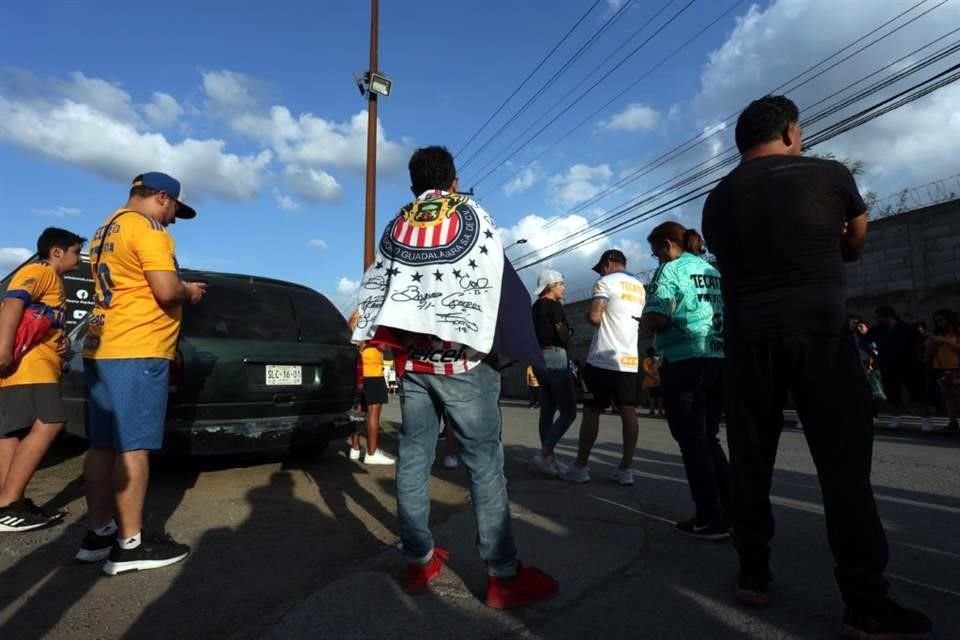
255, 110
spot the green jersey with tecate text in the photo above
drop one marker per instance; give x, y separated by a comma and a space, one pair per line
687, 291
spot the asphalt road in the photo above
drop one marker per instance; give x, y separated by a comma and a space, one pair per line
289, 549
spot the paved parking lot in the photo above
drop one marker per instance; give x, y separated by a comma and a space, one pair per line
287, 548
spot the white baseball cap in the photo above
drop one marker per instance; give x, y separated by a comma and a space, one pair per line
547, 278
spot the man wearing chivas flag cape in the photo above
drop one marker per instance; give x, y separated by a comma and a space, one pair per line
441, 294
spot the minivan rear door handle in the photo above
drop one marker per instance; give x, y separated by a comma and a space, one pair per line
284, 398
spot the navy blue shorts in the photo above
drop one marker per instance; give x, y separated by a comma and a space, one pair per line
128, 402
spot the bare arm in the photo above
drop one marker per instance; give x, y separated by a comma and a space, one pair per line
595, 313
11, 311
853, 238
653, 322
170, 291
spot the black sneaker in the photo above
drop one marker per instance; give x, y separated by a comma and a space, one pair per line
32, 507
20, 517
752, 589
95, 548
703, 531
155, 552
885, 620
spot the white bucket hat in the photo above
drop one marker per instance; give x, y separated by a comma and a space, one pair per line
547, 278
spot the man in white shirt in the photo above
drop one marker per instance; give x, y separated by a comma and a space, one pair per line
612, 373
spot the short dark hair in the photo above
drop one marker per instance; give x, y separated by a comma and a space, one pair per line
54, 238
431, 168
764, 120
886, 311
141, 191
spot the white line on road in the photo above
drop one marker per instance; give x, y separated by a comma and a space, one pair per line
924, 585
918, 503
920, 547
631, 509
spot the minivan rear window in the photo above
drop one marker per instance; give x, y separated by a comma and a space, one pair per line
319, 319
239, 310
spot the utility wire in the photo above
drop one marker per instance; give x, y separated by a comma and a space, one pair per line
693, 142
619, 64
529, 75
549, 82
878, 109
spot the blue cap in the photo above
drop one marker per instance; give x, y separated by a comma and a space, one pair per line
170, 186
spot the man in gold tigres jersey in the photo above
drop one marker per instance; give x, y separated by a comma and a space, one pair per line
127, 353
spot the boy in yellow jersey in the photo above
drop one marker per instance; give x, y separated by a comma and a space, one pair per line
30, 374
373, 395
127, 353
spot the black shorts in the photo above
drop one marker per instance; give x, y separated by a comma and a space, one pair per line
374, 392
604, 387
24, 404
895, 380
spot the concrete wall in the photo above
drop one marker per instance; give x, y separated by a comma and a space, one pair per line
911, 262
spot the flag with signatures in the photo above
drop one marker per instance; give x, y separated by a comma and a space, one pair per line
438, 271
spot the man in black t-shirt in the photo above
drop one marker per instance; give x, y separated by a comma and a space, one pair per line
781, 226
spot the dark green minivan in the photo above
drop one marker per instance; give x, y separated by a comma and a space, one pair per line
262, 365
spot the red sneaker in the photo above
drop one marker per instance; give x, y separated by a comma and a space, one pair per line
528, 587
420, 575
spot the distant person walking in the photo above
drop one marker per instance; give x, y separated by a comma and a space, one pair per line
651, 383
373, 395
900, 348
32, 348
685, 313
611, 374
943, 352
533, 389
781, 226
557, 391
127, 353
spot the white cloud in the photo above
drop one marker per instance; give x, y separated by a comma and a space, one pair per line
311, 141
284, 201
318, 244
58, 212
315, 185
579, 183
347, 286
12, 257
163, 110
114, 148
546, 235
101, 95
525, 179
228, 90
635, 117
774, 43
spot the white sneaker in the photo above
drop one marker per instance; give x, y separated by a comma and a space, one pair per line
576, 474
451, 462
623, 477
544, 465
378, 457
355, 453
561, 467
894, 422
926, 425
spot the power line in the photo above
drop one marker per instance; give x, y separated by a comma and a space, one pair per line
529, 75
546, 85
695, 141
878, 109
622, 61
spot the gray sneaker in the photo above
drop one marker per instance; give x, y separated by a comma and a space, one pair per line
623, 477
546, 466
580, 475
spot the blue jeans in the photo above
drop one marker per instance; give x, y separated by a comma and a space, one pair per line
556, 394
471, 400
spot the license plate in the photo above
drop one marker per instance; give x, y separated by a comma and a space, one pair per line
283, 375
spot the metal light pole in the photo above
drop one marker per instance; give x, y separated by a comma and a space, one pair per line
370, 216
